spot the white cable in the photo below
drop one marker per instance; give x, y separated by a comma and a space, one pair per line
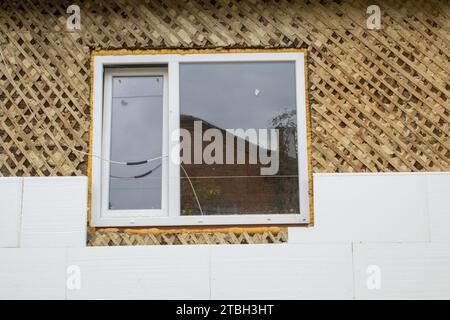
11, 79
193, 189
9, 74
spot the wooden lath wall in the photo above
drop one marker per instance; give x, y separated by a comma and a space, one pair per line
379, 99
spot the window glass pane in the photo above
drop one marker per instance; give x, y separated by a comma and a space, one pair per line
252, 96
136, 135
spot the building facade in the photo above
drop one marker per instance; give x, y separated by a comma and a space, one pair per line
380, 151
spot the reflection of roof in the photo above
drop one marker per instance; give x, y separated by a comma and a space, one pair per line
189, 118
186, 118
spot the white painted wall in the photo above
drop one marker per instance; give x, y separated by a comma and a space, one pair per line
397, 223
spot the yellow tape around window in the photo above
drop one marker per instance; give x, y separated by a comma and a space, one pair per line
184, 230
196, 51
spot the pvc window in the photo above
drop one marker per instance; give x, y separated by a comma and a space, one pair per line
199, 139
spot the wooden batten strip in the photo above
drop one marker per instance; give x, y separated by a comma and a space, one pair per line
107, 237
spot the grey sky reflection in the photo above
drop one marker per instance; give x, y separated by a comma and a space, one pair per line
237, 95
136, 135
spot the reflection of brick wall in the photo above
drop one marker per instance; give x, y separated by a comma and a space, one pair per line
246, 191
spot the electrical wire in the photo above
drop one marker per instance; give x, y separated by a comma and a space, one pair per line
33, 115
138, 176
193, 189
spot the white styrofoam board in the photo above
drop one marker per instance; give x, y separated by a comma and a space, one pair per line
438, 197
32, 273
367, 207
10, 211
54, 212
141, 272
406, 270
282, 271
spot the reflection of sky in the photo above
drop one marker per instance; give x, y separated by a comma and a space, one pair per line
237, 95
136, 128
136, 135
227, 95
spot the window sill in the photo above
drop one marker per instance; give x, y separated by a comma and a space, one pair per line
195, 221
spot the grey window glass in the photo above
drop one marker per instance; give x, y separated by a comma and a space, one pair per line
243, 95
136, 135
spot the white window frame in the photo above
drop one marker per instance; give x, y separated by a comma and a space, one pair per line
169, 215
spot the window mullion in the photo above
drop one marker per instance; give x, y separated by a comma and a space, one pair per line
173, 128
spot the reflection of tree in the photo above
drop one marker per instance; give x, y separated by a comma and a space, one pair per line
285, 119
209, 196
286, 122
286, 190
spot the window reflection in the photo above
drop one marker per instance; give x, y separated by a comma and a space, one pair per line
244, 95
136, 135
